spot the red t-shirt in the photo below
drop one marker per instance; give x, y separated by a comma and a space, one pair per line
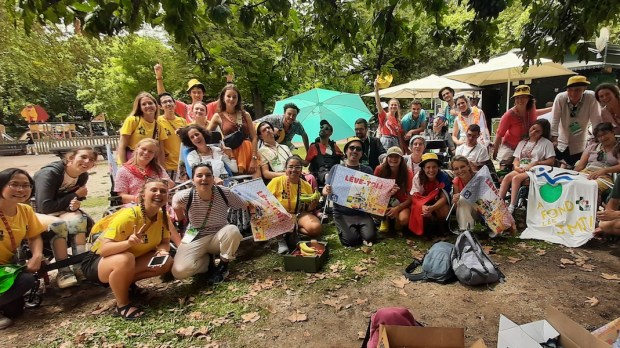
403, 193
389, 125
312, 153
512, 129
185, 110
458, 184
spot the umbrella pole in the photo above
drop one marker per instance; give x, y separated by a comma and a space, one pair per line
508, 94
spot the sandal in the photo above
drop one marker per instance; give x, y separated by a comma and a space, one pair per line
137, 292
128, 314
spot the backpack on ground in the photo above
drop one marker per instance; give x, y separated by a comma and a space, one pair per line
436, 265
471, 264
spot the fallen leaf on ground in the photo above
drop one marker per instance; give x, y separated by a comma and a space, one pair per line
541, 252
403, 292
332, 303
360, 270
306, 333
185, 331
588, 267
361, 335
487, 249
297, 317
361, 301
593, 301
196, 315
514, 259
567, 261
400, 282
250, 317
159, 332
102, 307
610, 276
417, 254
366, 250
203, 331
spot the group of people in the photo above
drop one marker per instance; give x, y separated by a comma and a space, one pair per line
206, 143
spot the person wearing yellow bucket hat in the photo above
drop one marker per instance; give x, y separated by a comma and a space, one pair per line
17, 222
573, 112
196, 91
389, 122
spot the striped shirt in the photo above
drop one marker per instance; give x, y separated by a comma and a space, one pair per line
218, 217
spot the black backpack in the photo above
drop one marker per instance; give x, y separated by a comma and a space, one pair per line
436, 265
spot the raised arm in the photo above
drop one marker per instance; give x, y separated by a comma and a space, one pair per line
159, 77
377, 98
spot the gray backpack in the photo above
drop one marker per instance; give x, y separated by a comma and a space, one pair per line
470, 263
436, 265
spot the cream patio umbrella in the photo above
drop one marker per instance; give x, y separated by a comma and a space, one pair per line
507, 67
423, 88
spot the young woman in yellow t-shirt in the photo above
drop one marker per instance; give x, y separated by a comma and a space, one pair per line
121, 255
17, 221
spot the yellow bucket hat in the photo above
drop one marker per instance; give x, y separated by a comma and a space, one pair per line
522, 90
195, 83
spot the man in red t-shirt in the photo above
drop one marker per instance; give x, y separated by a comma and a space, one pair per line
323, 154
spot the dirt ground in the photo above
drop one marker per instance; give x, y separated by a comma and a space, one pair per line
558, 277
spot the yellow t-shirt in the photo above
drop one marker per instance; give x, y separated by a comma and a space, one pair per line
137, 129
24, 224
123, 226
172, 144
278, 187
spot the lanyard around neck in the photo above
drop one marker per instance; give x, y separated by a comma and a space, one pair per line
7, 226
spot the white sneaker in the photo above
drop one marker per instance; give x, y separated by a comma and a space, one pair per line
66, 280
5, 322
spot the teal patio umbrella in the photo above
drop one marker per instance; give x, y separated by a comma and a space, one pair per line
338, 108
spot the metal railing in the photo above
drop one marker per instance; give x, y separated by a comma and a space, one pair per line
45, 145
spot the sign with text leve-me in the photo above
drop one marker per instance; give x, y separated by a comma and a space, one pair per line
270, 218
358, 190
561, 206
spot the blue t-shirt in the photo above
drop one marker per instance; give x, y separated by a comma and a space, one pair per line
409, 123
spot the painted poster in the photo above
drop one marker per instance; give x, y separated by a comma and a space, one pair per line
358, 190
561, 206
270, 218
481, 192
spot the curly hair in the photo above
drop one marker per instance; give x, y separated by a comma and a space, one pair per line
184, 134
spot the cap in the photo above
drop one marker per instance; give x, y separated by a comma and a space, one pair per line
427, 157
194, 83
327, 123
576, 81
395, 150
384, 105
441, 91
352, 139
522, 90
413, 138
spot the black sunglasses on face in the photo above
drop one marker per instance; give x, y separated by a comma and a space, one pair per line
573, 111
355, 148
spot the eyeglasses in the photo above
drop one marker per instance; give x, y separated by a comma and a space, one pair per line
294, 167
573, 111
522, 89
355, 148
16, 186
167, 101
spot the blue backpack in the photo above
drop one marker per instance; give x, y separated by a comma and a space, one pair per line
436, 265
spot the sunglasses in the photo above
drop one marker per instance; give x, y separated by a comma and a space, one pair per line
522, 89
355, 148
573, 111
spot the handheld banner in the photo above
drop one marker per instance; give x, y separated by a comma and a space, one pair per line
561, 206
270, 219
482, 193
358, 190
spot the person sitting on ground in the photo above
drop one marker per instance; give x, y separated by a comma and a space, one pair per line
608, 95
323, 153
395, 167
600, 159
417, 146
609, 219
206, 205
415, 121
274, 155
430, 202
238, 130
121, 255
537, 150
389, 123
477, 154
286, 126
19, 222
170, 124
288, 190
140, 124
59, 189
439, 131
463, 173
469, 115
201, 150
354, 226
374, 153
130, 178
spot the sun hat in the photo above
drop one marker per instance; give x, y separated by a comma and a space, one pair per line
441, 92
352, 139
384, 105
327, 123
194, 83
522, 90
413, 138
576, 81
384, 80
427, 157
395, 150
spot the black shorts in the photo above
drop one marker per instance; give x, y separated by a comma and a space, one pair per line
90, 267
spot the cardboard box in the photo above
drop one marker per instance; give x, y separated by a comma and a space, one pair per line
309, 264
394, 336
609, 332
572, 335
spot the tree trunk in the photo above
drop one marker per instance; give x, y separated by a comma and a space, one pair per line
257, 99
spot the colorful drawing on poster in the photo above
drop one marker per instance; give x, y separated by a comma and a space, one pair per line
270, 219
358, 190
